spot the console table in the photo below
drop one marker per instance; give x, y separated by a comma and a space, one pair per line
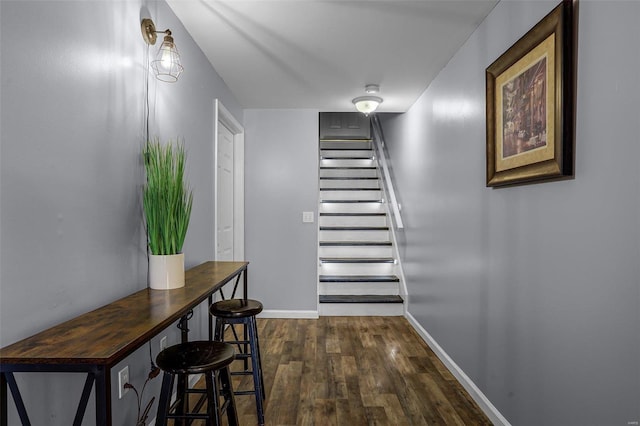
96, 341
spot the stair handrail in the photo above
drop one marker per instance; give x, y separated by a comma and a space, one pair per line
382, 161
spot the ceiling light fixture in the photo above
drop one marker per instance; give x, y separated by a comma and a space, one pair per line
368, 104
166, 66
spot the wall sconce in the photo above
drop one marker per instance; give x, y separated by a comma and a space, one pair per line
166, 64
368, 104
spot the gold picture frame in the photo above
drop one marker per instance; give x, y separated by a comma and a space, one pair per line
530, 103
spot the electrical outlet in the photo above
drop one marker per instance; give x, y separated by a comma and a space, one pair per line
163, 343
123, 377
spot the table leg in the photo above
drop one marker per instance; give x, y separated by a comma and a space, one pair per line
210, 300
103, 396
84, 399
245, 284
17, 398
3, 400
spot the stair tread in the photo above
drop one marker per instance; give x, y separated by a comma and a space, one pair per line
354, 243
349, 178
351, 201
346, 149
359, 278
365, 298
357, 259
354, 228
350, 189
353, 214
359, 157
348, 167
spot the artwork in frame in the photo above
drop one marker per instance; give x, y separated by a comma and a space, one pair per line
530, 104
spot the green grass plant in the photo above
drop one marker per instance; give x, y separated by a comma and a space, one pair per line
167, 199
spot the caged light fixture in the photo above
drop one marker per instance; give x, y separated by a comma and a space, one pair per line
369, 103
166, 64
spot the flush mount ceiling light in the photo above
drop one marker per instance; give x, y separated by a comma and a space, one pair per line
166, 64
367, 104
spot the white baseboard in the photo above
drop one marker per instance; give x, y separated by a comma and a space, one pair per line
288, 314
483, 402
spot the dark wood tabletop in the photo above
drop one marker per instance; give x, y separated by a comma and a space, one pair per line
110, 333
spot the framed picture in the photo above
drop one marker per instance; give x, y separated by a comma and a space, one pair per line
530, 105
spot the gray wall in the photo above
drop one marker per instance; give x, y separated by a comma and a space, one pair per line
72, 124
534, 291
281, 167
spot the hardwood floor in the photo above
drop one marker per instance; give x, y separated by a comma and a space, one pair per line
350, 371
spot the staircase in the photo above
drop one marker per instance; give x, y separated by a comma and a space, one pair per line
357, 263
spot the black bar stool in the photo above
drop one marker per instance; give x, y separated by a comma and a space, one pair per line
203, 357
243, 311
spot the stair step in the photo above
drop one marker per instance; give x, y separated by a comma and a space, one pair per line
346, 149
349, 189
354, 243
353, 214
359, 157
357, 260
348, 167
349, 178
354, 228
358, 278
350, 201
363, 298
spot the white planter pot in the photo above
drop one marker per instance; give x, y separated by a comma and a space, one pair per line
166, 271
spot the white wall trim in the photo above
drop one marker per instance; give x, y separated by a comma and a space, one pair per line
289, 314
485, 405
223, 116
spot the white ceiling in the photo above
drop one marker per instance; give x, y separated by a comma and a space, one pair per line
320, 54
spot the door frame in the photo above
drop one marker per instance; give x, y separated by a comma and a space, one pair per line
222, 116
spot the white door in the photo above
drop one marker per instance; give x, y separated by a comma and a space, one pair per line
225, 199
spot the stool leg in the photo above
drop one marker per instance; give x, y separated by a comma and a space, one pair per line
164, 401
182, 398
227, 391
255, 365
255, 325
213, 403
219, 333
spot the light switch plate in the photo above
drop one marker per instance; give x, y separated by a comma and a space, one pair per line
307, 217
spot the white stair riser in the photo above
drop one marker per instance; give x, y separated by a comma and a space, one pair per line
350, 183
348, 173
360, 309
346, 153
351, 208
352, 220
356, 269
347, 163
358, 288
351, 195
355, 251
345, 144
354, 235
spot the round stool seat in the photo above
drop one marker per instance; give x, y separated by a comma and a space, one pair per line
236, 308
195, 357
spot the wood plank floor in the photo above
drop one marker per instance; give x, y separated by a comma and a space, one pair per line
351, 371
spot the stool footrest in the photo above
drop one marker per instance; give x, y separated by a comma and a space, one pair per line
246, 392
242, 373
243, 356
188, 416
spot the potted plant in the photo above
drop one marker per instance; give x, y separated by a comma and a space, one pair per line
167, 202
